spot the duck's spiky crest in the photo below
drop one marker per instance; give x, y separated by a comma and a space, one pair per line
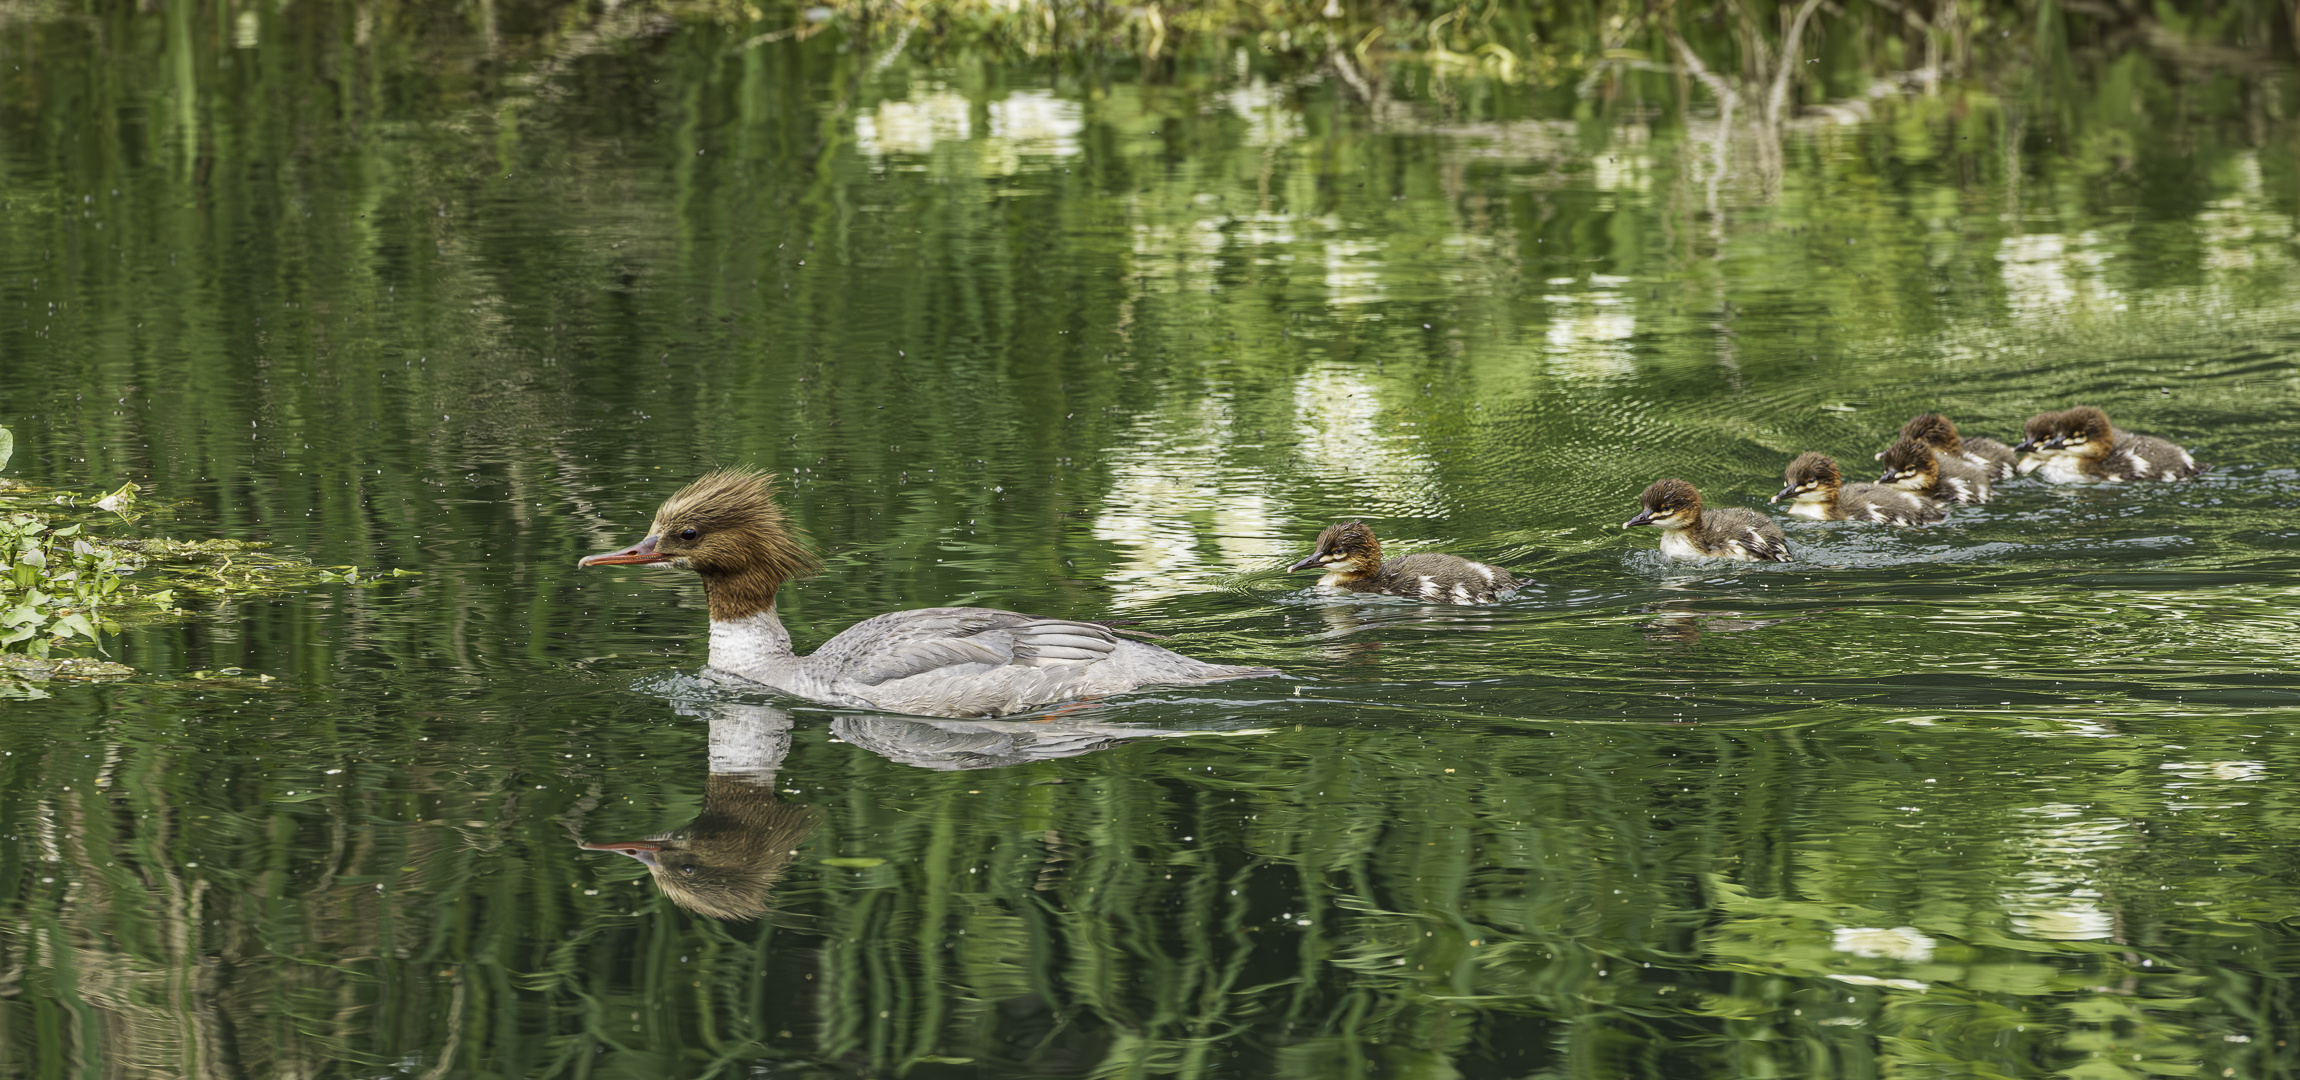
745, 545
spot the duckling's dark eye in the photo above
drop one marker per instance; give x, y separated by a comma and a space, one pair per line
688, 534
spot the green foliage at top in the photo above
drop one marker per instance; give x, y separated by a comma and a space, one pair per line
1752, 50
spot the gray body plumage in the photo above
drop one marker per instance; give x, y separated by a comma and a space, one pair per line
954, 661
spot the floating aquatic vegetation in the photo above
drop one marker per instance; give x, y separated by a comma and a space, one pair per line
61, 586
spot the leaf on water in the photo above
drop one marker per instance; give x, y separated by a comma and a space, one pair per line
119, 501
7, 446
855, 864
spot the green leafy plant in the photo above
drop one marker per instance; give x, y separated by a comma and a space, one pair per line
54, 585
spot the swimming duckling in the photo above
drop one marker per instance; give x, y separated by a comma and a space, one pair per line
1689, 532
2093, 451
2036, 439
1819, 491
1994, 458
1352, 559
1935, 474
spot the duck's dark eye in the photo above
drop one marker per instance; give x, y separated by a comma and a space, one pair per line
688, 534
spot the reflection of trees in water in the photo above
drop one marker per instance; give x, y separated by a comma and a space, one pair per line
1314, 899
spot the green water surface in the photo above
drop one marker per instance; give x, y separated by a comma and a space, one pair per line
2011, 796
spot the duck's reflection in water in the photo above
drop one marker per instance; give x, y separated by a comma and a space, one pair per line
725, 863
954, 745
1676, 622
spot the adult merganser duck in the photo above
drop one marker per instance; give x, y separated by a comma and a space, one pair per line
1689, 532
1935, 474
1821, 493
1994, 458
2089, 450
1352, 560
948, 661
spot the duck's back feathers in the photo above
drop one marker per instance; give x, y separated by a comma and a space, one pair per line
959, 661
2146, 457
1888, 505
1445, 579
1995, 458
1738, 532
1958, 480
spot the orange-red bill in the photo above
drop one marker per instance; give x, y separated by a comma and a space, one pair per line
641, 552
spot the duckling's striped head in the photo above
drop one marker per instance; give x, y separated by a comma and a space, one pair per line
2083, 429
1910, 464
1347, 546
1813, 477
2040, 430
1668, 504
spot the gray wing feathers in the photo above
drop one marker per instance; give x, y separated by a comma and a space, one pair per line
986, 662
905, 644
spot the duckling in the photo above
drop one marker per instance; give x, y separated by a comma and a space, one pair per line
2036, 438
1820, 492
1689, 532
1352, 559
1994, 458
2092, 451
1933, 473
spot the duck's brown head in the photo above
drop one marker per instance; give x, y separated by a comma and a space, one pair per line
1347, 548
2084, 431
1934, 430
1813, 477
2040, 430
1667, 504
1911, 464
728, 528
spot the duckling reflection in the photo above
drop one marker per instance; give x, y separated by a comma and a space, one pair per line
1675, 622
725, 863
